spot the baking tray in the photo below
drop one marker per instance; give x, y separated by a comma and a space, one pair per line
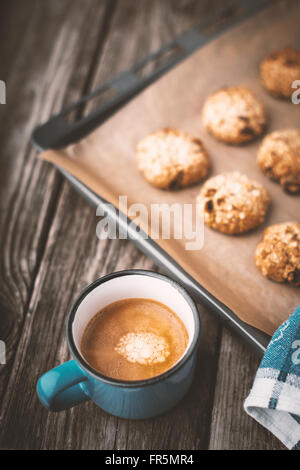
57, 132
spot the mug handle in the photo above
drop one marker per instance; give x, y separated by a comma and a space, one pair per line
59, 388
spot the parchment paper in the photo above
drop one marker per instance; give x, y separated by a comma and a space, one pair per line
105, 160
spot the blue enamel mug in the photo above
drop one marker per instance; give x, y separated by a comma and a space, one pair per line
76, 381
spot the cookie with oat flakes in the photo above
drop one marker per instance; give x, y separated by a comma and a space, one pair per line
279, 158
278, 253
234, 115
171, 159
279, 70
233, 203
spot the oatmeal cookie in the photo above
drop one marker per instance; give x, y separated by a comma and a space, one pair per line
279, 70
232, 203
279, 158
234, 115
278, 253
171, 159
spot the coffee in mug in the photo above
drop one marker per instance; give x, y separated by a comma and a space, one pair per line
134, 339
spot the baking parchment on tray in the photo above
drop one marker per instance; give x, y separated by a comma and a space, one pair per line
105, 162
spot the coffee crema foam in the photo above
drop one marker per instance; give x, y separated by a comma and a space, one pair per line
144, 348
134, 339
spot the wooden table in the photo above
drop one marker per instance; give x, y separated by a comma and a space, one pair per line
51, 53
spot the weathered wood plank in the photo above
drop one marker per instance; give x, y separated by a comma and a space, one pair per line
231, 427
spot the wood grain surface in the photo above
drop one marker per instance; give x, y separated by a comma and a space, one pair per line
54, 52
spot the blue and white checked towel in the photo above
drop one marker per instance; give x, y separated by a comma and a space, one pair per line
274, 400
